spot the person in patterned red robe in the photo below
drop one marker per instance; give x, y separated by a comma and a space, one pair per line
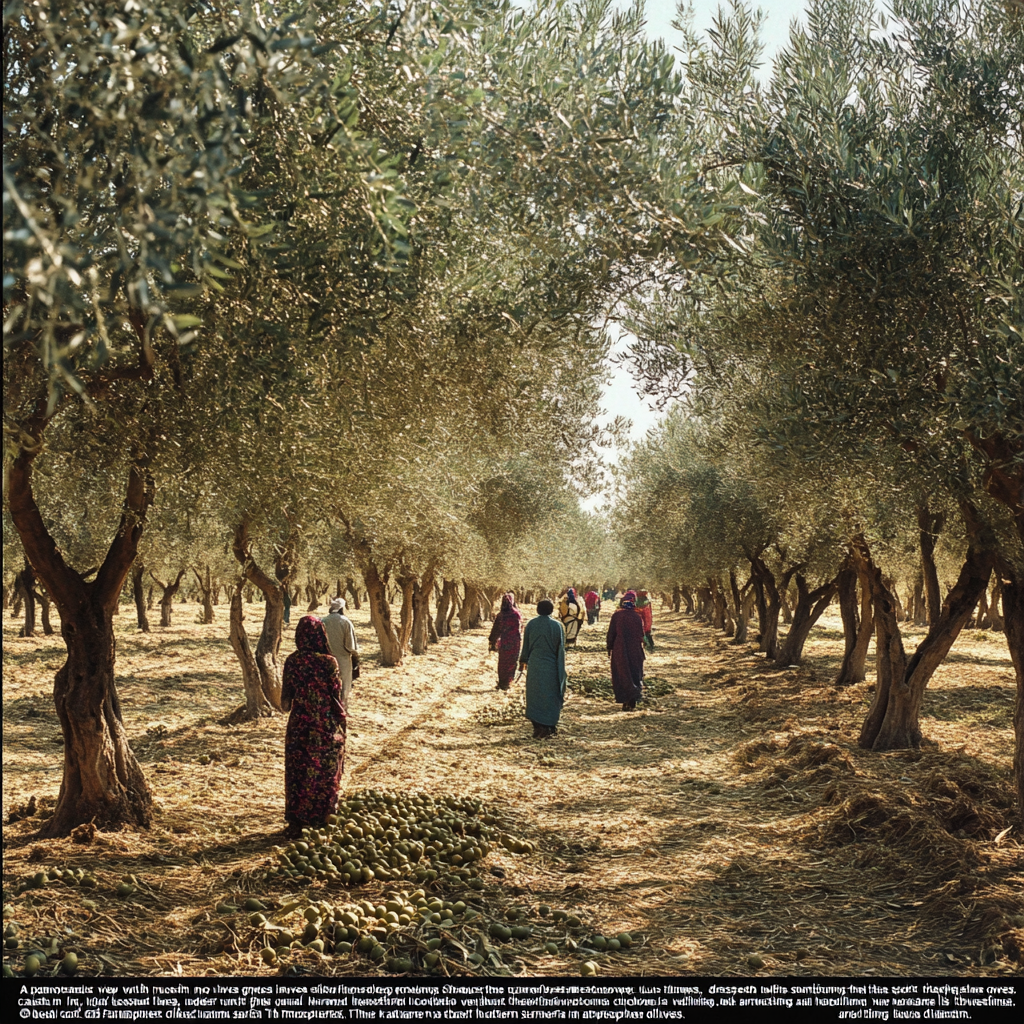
314, 744
506, 639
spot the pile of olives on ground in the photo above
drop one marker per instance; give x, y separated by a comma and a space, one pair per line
416, 931
508, 711
37, 954
69, 876
390, 837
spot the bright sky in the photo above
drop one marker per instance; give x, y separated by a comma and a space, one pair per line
620, 399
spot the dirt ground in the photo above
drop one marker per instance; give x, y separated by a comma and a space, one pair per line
730, 824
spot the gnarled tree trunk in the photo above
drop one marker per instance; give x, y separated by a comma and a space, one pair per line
442, 624
26, 584
406, 584
893, 718
268, 647
205, 593
256, 703
138, 570
471, 612
167, 598
810, 604
380, 614
918, 606
769, 638
421, 611
102, 780
857, 629
705, 605
786, 606
995, 616
44, 610
316, 590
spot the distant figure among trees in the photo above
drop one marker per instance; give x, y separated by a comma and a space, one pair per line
626, 650
646, 613
341, 638
506, 639
593, 602
543, 657
314, 746
570, 611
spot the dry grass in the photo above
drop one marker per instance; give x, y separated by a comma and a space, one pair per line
732, 815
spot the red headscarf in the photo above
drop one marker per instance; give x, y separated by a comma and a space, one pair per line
311, 637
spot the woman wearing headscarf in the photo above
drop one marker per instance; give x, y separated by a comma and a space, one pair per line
506, 639
570, 611
646, 613
314, 745
543, 657
626, 649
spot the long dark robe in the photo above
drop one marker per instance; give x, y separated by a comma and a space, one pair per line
506, 639
314, 744
626, 646
544, 655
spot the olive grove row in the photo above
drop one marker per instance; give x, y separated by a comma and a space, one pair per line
315, 290
848, 413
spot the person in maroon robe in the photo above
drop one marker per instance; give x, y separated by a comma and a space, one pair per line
506, 639
626, 649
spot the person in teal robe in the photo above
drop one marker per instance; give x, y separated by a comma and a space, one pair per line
543, 657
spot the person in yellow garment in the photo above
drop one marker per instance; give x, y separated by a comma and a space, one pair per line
571, 611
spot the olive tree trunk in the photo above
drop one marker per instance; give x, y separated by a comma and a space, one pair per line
929, 527
268, 647
256, 703
705, 605
380, 614
167, 598
471, 614
719, 608
44, 610
918, 605
406, 584
445, 608
205, 593
26, 584
138, 570
810, 604
740, 608
1011, 583
857, 628
768, 641
995, 616
892, 721
102, 781
422, 590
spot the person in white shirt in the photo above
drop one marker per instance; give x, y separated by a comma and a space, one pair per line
341, 637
